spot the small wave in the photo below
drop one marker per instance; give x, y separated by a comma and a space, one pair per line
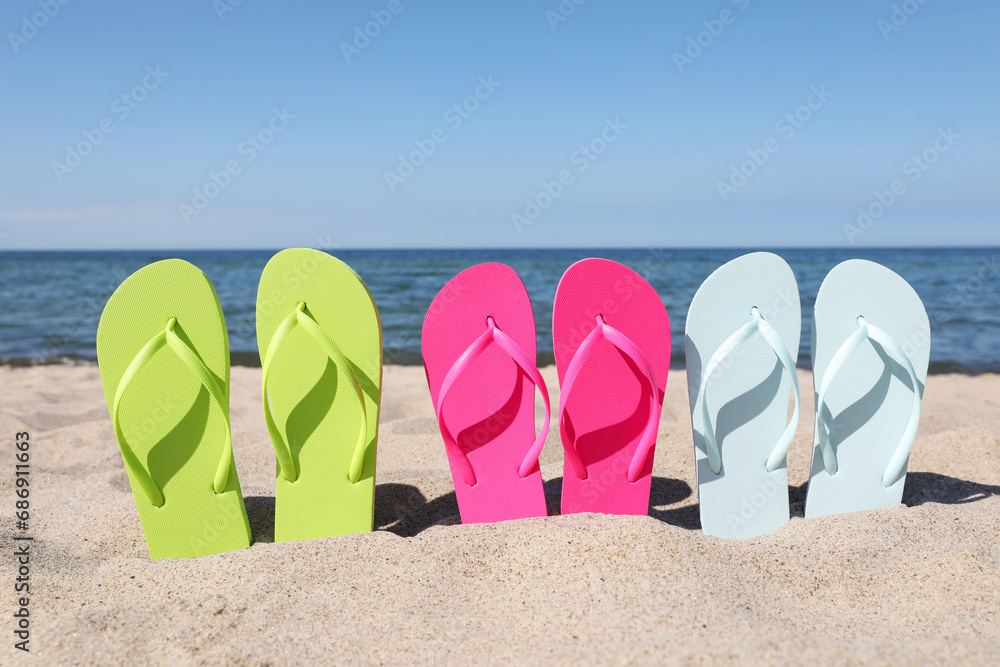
60, 360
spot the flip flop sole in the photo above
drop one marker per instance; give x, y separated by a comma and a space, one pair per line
314, 407
748, 393
167, 415
490, 409
609, 407
871, 399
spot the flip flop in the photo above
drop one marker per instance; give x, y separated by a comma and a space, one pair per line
320, 339
871, 348
478, 345
611, 336
742, 341
163, 353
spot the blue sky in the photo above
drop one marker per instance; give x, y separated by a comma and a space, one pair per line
614, 124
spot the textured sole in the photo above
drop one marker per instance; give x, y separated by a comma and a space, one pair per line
870, 401
610, 402
749, 393
314, 408
490, 409
167, 416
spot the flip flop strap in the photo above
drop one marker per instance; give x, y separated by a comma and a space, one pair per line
865, 331
200, 370
742, 335
622, 342
281, 449
492, 335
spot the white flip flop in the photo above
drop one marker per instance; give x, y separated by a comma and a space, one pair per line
742, 340
871, 346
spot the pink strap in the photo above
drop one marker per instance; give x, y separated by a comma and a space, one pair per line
507, 344
621, 341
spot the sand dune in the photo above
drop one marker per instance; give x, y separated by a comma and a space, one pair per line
917, 583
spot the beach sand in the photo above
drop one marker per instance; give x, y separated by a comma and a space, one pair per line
917, 583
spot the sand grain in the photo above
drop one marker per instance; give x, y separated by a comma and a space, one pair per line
917, 583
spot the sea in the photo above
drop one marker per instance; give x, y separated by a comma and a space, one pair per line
51, 302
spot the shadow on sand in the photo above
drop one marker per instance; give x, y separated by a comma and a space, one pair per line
403, 509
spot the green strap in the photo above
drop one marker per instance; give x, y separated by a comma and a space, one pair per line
200, 370
281, 449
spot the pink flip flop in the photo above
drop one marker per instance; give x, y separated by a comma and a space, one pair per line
611, 335
478, 344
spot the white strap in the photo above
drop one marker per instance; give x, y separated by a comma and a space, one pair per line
742, 335
897, 464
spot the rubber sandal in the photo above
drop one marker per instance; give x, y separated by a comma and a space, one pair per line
742, 341
611, 336
163, 354
871, 348
478, 345
320, 339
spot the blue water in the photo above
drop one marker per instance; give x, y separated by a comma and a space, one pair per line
50, 302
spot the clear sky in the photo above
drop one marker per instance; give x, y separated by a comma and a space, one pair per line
252, 124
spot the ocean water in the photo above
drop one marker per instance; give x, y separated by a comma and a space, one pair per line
50, 302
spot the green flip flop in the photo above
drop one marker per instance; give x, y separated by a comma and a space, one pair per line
163, 353
321, 351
